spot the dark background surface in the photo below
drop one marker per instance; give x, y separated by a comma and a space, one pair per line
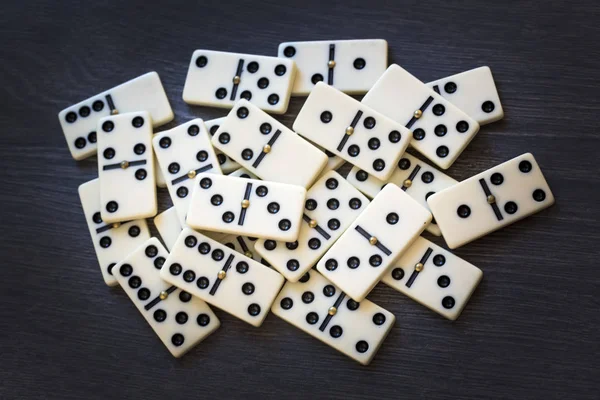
530, 329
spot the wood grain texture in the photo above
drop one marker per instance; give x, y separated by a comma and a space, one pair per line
531, 328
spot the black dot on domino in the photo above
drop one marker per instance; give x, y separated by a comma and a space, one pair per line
427, 177
359, 63
252, 67
397, 274
289, 51
352, 305
164, 142
312, 318
263, 83
265, 128
177, 339
379, 319
254, 309
443, 281
201, 61
286, 303
285, 224
331, 264
112, 206
143, 294
160, 315
488, 106
463, 211
134, 282
308, 297
221, 93
140, 174
280, 70
316, 78
450, 87
353, 150
181, 317
375, 260
203, 320
361, 176
326, 117
448, 302
362, 346
336, 331
247, 288
419, 134
217, 254
80, 142
137, 122
292, 265
182, 192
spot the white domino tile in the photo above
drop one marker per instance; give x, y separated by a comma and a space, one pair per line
440, 131
222, 277
491, 200
183, 152
352, 66
352, 130
246, 207
474, 92
387, 227
180, 320
267, 148
220, 79
434, 277
126, 167
319, 308
79, 121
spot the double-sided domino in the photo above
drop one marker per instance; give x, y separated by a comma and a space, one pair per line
183, 152
265, 147
360, 257
222, 277
220, 79
322, 310
180, 320
112, 242
434, 277
246, 207
352, 66
330, 207
126, 167
413, 176
491, 200
440, 131
351, 130
79, 122
474, 92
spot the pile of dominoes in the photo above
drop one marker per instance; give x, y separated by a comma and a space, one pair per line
260, 219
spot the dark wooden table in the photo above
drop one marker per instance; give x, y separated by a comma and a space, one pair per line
531, 328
